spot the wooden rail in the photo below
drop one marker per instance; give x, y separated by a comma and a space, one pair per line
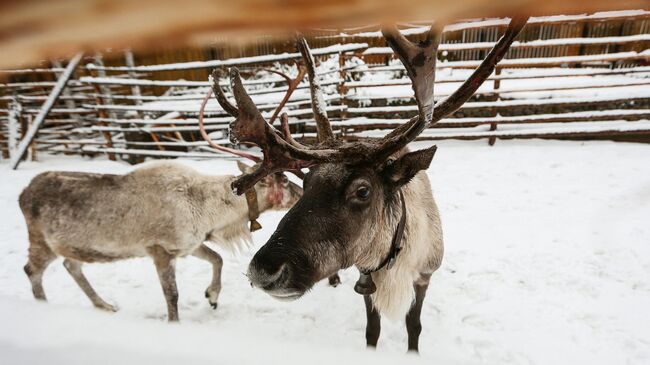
567, 84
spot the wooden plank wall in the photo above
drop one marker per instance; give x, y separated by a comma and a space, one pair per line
31, 87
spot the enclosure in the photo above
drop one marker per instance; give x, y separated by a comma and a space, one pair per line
577, 76
542, 181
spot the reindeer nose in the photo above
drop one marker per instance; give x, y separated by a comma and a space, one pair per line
267, 276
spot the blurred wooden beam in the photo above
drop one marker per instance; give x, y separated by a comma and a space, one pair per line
45, 109
35, 30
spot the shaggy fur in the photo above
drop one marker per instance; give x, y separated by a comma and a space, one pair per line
421, 253
347, 216
329, 229
422, 243
163, 210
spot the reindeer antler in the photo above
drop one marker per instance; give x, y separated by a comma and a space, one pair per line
282, 153
454, 101
292, 85
211, 143
323, 127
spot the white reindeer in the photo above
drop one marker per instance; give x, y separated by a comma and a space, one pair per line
163, 210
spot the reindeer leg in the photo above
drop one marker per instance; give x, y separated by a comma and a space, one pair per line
334, 280
166, 267
74, 268
40, 257
212, 292
413, 325
373, 325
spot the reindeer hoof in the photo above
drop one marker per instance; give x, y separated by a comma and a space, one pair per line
107, 307
212, 298
334, 280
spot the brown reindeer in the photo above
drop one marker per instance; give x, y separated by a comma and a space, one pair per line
163, 210
366, 203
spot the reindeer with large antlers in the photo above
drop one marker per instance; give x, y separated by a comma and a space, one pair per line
366, 203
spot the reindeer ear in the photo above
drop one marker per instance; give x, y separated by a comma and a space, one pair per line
243, 167
402, 170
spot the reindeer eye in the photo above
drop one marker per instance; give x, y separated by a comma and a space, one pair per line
363, 192
285, 180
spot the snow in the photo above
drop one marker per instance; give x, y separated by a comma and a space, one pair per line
261, 91
576, 116
537, 86
521, 88
532, 62
455, 75
525, 86
65, 340
624, 95
45, 109
529, 129
600, 16
518, 44
13, 137
170, 83
336, 48
547, 261
32, 70
189, 108
157, 153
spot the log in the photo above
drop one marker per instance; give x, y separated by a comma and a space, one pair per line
36, 30
45, 109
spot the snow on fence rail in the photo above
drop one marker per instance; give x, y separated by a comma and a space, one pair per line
529, 62
507, 75
544, 20
337, 48
446, 47
594, 84
592, 129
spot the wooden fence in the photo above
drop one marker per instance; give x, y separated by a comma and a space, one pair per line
565, 76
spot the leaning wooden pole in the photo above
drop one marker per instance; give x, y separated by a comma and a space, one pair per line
45, 109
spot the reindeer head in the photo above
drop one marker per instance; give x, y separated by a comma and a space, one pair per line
352, 192
275, 191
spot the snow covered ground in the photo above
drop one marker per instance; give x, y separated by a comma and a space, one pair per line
547, 261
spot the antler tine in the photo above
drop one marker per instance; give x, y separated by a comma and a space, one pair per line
420, 63
485, 69
250, 126
284, 120
419, 59
221, 96
279, 154
323, 127
292, 84
212, 144
402, 135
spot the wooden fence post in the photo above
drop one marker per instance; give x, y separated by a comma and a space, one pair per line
99, 101
15, 109
135, 89
105, 90
136, 92
5, 152
69, 103
497, 84
341, 86
32, 155
107, 99
45, 109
